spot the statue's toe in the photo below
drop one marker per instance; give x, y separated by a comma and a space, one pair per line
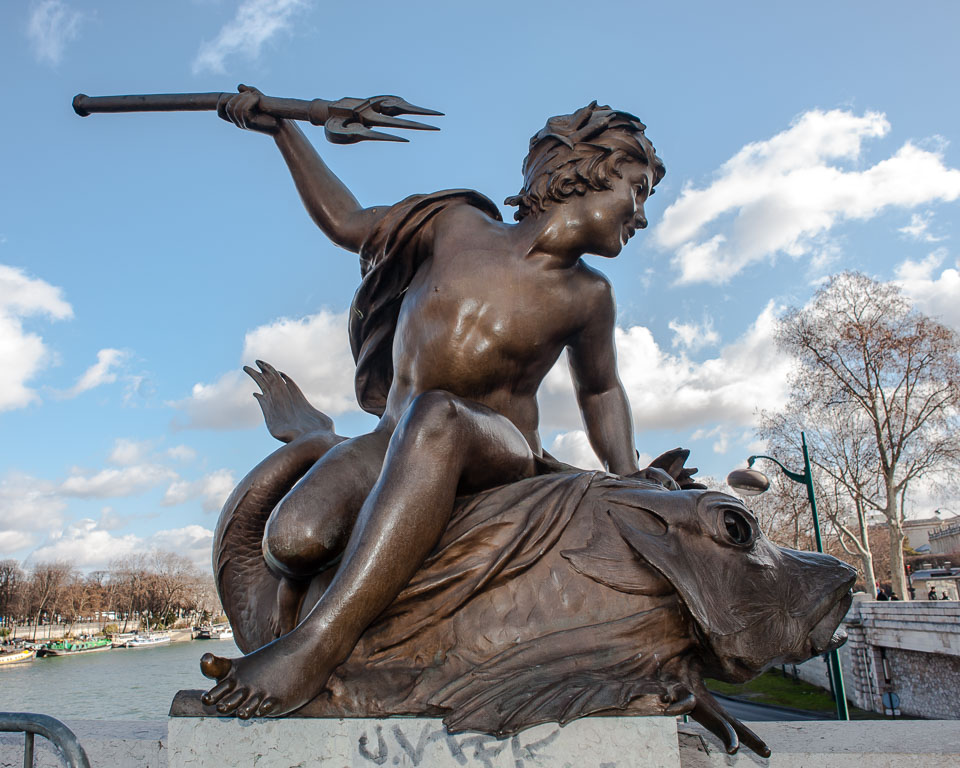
214, 667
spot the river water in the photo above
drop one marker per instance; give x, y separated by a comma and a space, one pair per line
120, 684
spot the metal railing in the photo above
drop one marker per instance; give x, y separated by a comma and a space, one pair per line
51, 729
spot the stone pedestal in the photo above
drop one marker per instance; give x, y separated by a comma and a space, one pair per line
593, 742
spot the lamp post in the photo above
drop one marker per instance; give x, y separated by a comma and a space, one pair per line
751, 482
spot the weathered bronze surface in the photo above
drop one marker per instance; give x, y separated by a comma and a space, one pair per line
444, 563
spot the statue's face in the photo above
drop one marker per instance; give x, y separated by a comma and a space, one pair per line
610, 217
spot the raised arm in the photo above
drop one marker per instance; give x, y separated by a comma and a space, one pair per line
603, 402
328, 201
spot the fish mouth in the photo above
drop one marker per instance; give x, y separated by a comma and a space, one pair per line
827, 634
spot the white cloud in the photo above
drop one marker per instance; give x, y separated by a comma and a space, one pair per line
574, 448
933, 294
314, 351
101, 372
24, 354
34, 512
669, 391
192, 541
182, 453
126, 452
785, 194
255, 22
213, 489
52, 24
919, 228
113, 483
28, 506
721, 444
11, 541
85, 544
111, 521
693, 336
88, 545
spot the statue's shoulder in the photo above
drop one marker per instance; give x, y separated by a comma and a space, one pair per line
406, 222
452, 200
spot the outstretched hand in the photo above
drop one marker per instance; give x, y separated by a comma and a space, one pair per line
243, 110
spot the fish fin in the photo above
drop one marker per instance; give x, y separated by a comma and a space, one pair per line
609, 560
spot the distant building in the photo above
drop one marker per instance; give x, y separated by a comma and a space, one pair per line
919, 532
945, 539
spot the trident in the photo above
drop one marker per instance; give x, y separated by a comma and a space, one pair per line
344, 121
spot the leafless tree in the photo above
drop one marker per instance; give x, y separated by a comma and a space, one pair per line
128, 577
877, 390
11, 590
841, 457
169, 578
47, 583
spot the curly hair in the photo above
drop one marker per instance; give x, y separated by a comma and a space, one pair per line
577, 153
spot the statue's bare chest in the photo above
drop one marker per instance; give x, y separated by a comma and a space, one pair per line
484, 315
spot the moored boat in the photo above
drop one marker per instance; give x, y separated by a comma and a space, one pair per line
74, 647
147, 640
16, 657
217, 632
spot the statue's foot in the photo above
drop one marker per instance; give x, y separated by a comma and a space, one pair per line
271, 682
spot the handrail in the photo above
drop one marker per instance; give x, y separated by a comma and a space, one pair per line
51, 729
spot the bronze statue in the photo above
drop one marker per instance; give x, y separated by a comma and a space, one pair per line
458, 319
338, 560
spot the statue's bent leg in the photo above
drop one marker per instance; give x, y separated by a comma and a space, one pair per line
443, 444
310, 526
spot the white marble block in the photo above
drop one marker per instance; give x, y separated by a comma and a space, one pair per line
592, 742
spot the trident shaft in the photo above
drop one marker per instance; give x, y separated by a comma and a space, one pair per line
344, 121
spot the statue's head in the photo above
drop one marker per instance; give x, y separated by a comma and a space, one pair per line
578, 153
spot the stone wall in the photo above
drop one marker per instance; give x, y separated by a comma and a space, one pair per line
927, 683
890, 744
909, 648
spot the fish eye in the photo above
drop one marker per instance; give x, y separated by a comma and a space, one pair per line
737, 527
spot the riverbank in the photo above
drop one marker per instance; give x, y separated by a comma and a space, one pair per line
56, 631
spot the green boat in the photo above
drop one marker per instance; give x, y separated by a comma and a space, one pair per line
73, 647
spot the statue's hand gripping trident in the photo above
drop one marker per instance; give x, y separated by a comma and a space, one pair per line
345, 121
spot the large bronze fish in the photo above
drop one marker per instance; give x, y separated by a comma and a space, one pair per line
564, 595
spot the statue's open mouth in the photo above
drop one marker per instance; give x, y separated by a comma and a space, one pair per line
826, 634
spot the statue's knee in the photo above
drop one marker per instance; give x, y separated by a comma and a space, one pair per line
433, 416
296, 543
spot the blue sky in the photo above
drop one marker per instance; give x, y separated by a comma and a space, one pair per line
145, 258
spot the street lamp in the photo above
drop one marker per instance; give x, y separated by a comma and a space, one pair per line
751, 482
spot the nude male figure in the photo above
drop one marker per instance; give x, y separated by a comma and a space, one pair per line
486, 310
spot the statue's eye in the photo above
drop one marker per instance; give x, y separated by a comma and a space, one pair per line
737, 528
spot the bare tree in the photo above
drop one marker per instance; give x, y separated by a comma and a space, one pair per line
878, 383
784, 512
128, 577
47, 583
169, 578
11, 590
843, 465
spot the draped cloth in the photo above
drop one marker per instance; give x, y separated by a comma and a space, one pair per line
389, 258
